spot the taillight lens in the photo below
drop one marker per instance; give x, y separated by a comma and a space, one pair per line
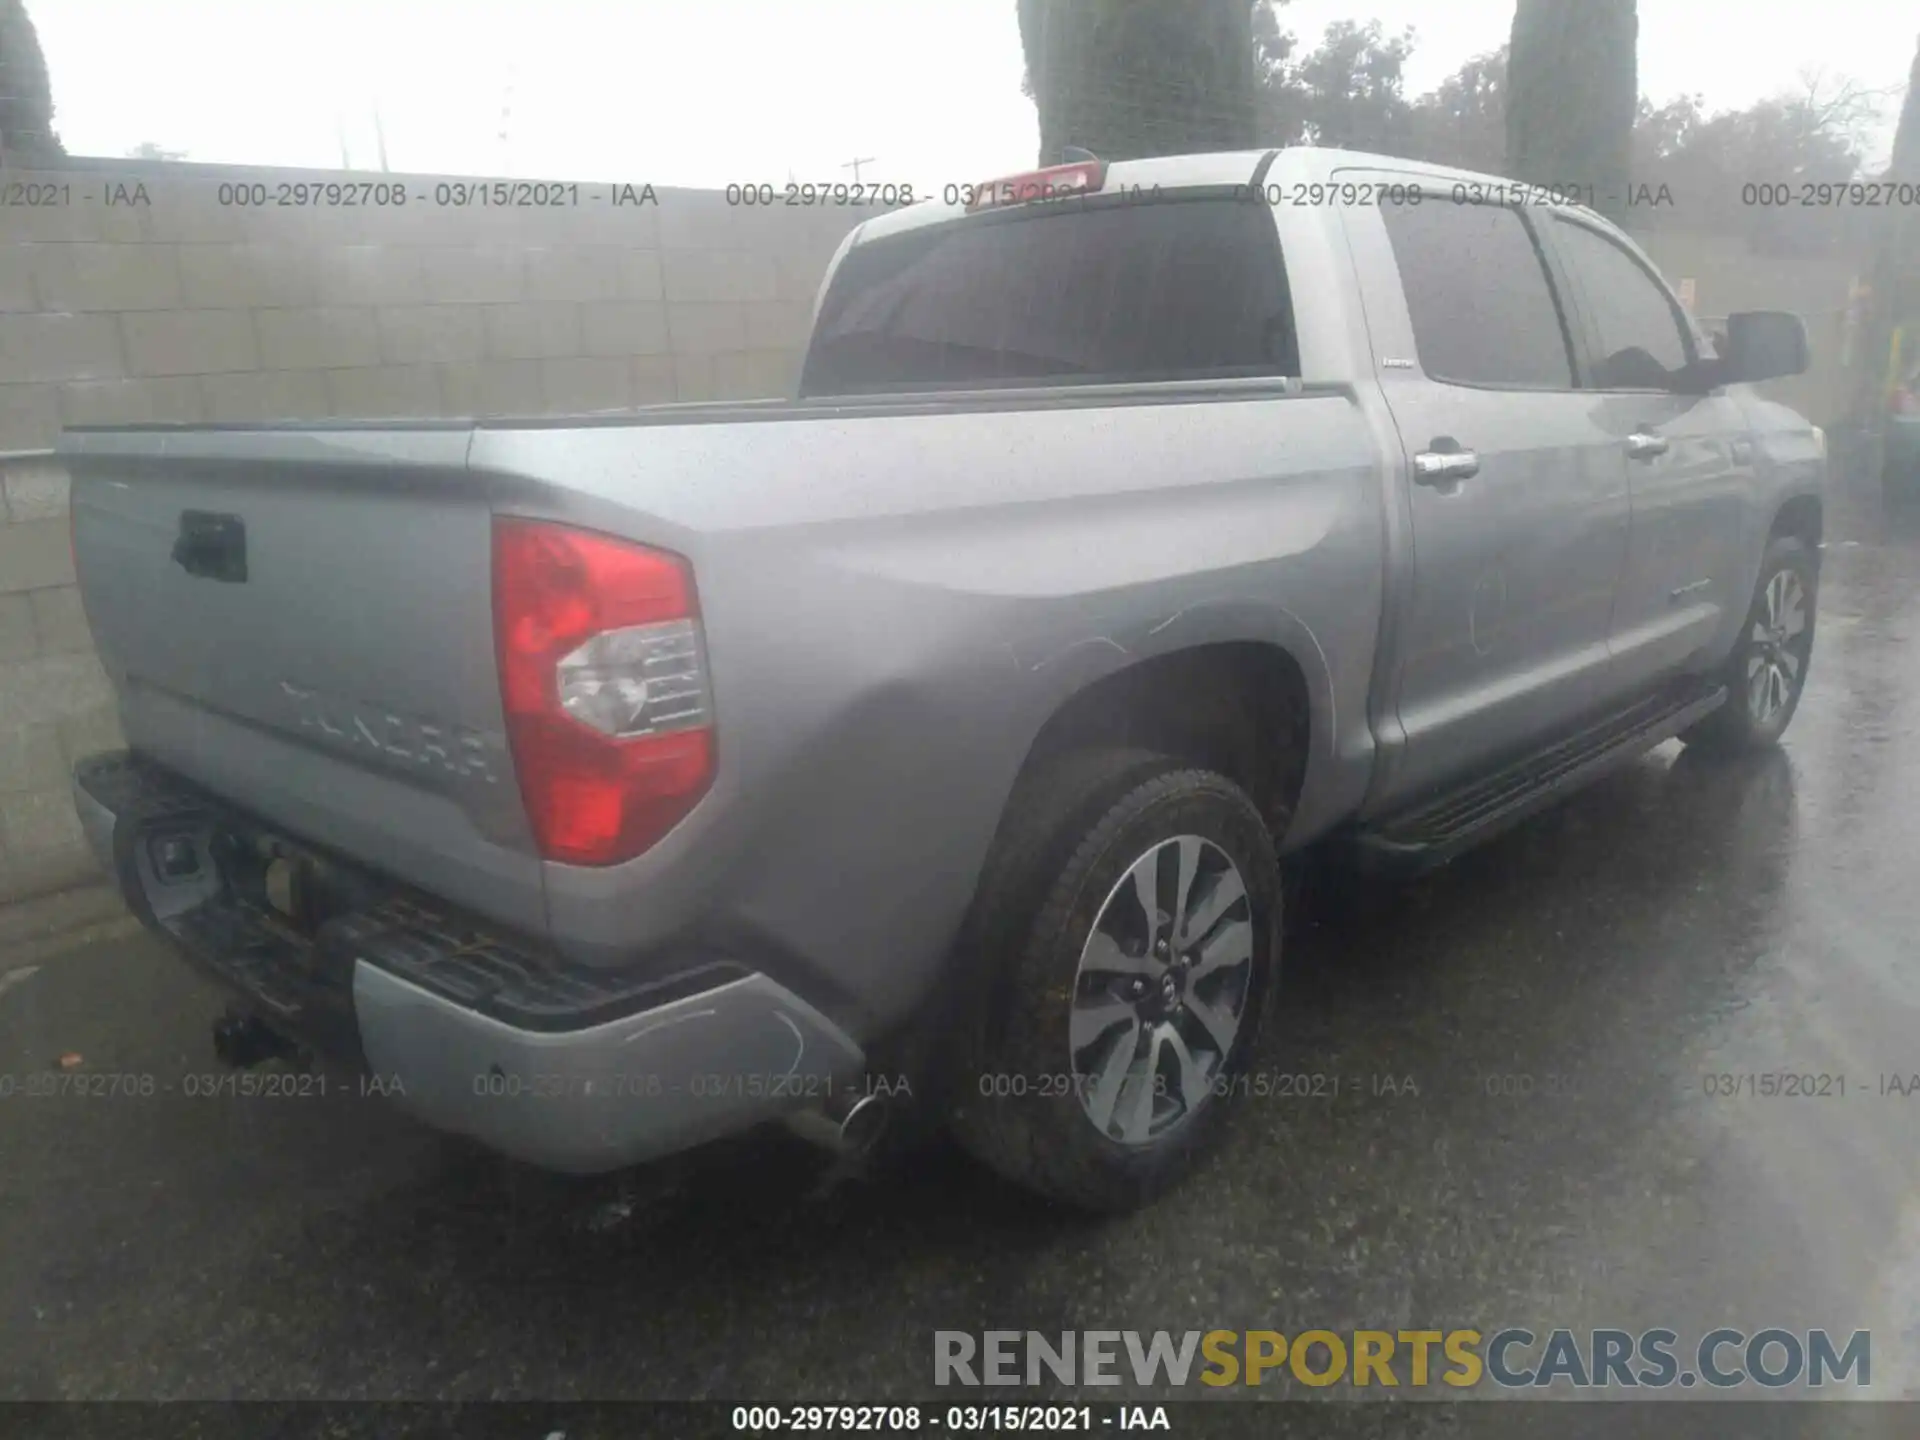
603, 679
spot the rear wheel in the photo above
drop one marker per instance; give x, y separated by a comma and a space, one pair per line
1767, 670
1128, 935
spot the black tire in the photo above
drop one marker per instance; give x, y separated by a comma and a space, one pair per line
1068, 838
1740, 726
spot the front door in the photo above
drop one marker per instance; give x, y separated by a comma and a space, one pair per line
1689, 457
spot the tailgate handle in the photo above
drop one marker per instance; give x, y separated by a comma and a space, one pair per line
213, 546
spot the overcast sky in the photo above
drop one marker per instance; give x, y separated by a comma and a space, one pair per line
704, 92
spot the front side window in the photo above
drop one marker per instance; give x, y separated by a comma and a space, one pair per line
1640, 340
1477, 293
1062, 294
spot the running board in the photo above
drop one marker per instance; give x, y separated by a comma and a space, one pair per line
1441, 828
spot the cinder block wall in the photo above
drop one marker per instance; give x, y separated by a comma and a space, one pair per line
172, 306
55, 703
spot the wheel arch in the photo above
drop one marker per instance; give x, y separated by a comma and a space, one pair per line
1801, 516
1255, 709
1087, 703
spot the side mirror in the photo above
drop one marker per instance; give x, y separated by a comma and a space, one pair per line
1764, 345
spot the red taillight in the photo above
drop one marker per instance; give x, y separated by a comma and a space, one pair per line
603, 679
1080, 178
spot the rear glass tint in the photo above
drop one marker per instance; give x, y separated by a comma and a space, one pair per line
1096, 293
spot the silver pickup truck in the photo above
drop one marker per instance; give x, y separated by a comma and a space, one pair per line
608, 785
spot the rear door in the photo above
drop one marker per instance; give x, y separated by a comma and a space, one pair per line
1689, 458
1520, 530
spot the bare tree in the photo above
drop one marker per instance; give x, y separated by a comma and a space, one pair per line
1835, 108
1736, 172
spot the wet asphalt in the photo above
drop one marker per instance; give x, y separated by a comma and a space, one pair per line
1522, 1134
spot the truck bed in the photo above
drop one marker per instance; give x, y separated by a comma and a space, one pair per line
922, 572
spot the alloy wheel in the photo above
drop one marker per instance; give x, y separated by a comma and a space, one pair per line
1161, 990
1778, 646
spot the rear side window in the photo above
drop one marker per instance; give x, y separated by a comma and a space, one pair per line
1482, 310
1162, 290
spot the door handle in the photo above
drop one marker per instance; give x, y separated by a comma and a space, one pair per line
1644, 446
1444, 468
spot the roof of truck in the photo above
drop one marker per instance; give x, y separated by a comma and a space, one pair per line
1294, 164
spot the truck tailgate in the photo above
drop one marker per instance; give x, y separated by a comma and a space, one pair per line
301, 622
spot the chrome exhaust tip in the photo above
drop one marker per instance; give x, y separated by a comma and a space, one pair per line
847, 1125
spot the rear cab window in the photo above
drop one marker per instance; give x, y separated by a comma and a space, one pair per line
1100, 290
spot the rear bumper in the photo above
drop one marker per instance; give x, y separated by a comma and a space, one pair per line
472, 1031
